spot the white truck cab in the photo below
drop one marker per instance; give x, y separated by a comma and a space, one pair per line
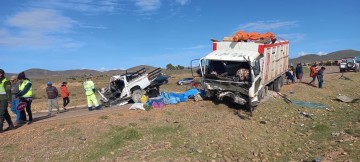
241, 71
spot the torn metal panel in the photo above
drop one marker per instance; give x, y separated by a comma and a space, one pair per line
235, 97
225, 86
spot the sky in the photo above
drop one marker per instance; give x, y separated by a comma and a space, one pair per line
119, 34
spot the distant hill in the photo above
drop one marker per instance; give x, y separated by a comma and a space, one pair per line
39, 73
147, 68
310, 58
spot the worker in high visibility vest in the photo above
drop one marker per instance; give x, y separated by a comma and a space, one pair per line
25, 95
90, 93
5, 102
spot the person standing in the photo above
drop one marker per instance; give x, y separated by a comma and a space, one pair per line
5, 102
320, 76
25, 95
289, 76
15, 100
313, 74
90, 93
52, 94
299, 72
65, 95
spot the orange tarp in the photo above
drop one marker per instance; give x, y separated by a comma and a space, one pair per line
243, 36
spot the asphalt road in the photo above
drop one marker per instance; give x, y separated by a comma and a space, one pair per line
69, 113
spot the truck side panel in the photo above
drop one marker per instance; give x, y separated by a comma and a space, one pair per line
275, 62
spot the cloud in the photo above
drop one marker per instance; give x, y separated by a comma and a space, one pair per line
183, 2
267, 25
320, 53
302, 53
197, 47
94, 27
295, 37
84, 6
38, 28
41, 21
148, 5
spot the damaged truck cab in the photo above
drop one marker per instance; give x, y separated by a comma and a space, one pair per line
241, 71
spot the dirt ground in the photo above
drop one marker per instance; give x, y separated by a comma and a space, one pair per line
201, 131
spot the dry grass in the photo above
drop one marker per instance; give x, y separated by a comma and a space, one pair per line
203, 131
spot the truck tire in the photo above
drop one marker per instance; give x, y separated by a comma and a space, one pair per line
136, 96
271, 86
277, 85
281, 79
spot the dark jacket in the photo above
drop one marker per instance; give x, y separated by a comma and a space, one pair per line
299, 70
52, 92
7, 86
320, 75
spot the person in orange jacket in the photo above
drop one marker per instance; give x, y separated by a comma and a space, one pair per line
313, 74
65, 95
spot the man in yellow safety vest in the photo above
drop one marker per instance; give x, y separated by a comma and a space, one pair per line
5, 102
90, 93
25, 95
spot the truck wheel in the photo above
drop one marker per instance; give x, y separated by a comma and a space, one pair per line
281, 79
136, 96
271, 86
277, 85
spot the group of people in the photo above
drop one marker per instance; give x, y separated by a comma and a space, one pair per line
292, 72
53, 94
314, 73
18, 89
17, 93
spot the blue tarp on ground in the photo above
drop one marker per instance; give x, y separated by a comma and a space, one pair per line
174, 98
308, 104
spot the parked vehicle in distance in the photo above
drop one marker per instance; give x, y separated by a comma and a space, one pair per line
185, 81
162, 79
348, 64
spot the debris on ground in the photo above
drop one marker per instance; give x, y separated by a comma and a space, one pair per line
198, 98
344, 98
306, 114
136, 106
287, 100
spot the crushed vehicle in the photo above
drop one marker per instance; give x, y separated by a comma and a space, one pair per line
131, 86
351, 63
242, 71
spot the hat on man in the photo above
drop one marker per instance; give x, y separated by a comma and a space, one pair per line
63, 83
21, 76
49, 83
